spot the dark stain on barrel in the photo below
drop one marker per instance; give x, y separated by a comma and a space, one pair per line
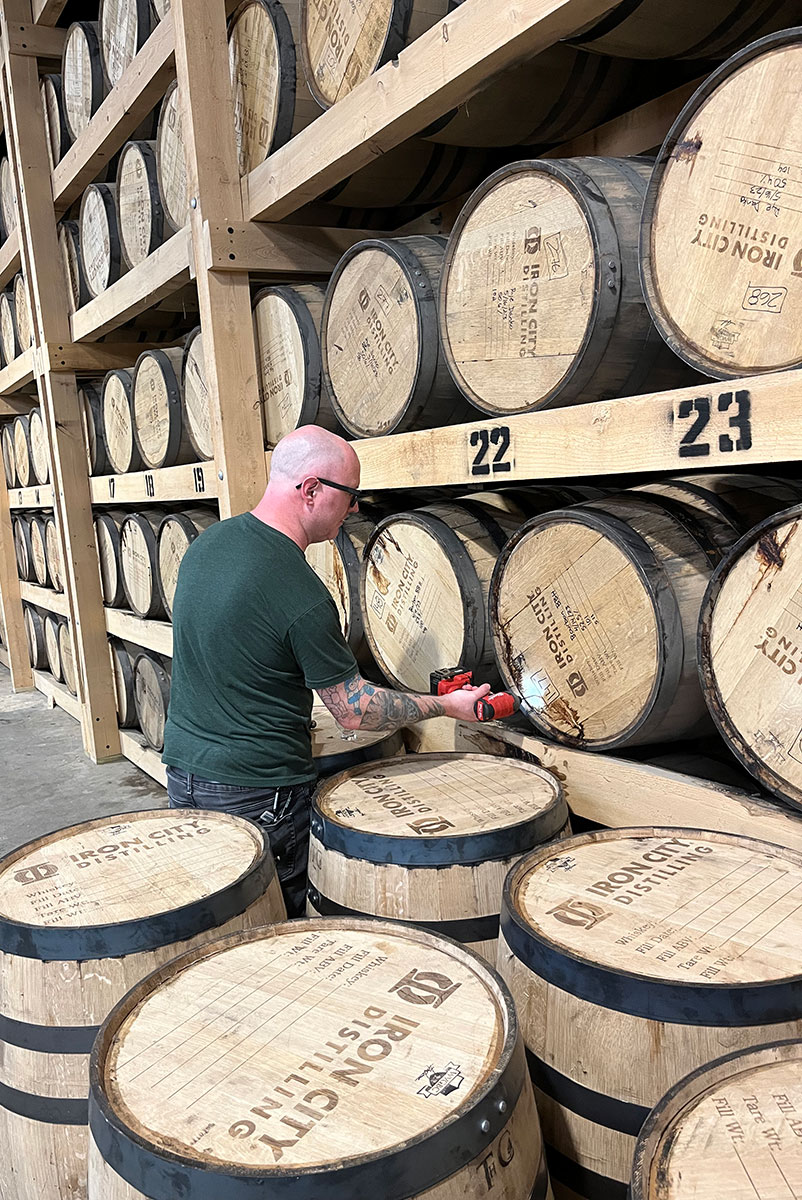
770, 553
386, 536
382, 584
687, 150
512, 661
340, 584
559, 711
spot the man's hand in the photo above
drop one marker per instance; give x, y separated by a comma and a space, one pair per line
459, 704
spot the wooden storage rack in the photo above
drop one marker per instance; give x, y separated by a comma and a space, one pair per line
231, 231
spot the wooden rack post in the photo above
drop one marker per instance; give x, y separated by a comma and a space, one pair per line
207, 111
60, 405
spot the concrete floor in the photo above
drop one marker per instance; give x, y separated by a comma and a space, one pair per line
46, 780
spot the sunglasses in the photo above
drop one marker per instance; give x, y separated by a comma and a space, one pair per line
356, 496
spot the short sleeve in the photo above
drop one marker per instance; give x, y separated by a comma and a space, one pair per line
319, 647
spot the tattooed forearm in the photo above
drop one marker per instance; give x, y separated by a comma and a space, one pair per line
392, 710
357, 704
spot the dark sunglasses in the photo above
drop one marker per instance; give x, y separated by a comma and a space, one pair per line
355, 495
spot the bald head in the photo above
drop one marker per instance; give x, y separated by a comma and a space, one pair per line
311, 450
300, 500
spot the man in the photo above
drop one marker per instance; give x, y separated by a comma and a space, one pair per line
254, 630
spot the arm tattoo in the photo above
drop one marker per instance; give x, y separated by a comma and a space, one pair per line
378, 708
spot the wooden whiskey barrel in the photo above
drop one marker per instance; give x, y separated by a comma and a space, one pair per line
23, 552
9, 464
286, 326
271, 100
425, 582
696, 1140
177, 532
416, 172
53, 554
645, 29
82, 82
139, 562
122, 665
558, 318
729, 505
22, 450
85, 913
22, 312
69, 244
594, 612
339, 564
427, 1092
118, 422
140, 216
156, 405
750, 661
35, 636
69, 666
335, 749
342, 43
99, 235
720, 230
92, 423
152, 697
57, 134
108, 526
40, 455
9, 209
125, 26
195, 408
557, 95
171, 167
382, 362
38, 535
8, 327
655, 947
428, 839
52, 648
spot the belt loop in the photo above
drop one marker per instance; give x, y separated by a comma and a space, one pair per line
190, 778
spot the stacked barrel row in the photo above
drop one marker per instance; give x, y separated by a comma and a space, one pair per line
16, 324
51, 646
630, 277
589, 607
26, 458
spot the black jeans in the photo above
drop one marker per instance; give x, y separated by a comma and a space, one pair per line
282, 814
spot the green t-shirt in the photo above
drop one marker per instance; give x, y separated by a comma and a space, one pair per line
253, 630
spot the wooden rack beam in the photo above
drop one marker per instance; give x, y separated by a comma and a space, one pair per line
277, 250
19, 372
440, 70
165, 271
47, 12
724, 425
140, 89
35, 41
38, 496
9, 258
617, 792
55, 602
193, 481
151, 635
58, 693
135, 749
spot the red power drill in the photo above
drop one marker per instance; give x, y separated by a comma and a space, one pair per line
490, 708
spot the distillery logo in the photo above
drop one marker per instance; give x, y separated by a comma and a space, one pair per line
440, 1083
579, 912
425, 987
37, 873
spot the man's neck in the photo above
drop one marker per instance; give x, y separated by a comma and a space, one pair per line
269, 514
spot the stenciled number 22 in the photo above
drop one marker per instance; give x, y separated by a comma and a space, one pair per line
484, 439
699, 408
